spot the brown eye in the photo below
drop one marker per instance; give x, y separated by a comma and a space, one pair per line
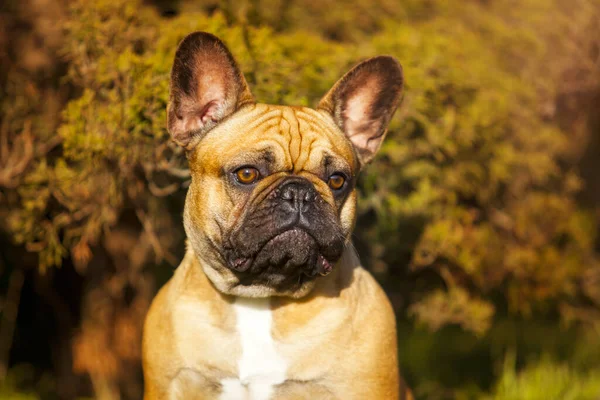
247, 175
336, 181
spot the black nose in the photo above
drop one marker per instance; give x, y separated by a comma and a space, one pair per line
297, 196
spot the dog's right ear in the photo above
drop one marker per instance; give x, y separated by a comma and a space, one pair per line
206, 86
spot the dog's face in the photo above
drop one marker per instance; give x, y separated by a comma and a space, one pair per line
272, 201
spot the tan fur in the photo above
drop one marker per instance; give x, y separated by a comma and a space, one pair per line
300, 137
344, 331
340, 338
325, 337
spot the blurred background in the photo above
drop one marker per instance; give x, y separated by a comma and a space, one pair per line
480, 216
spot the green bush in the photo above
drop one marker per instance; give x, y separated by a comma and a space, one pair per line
469, 183
546, 380
20, 376
470, 210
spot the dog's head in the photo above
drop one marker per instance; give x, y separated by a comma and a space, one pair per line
272, 201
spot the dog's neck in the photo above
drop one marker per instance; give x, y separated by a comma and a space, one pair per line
327, 286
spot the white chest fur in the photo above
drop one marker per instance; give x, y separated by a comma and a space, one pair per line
260, 367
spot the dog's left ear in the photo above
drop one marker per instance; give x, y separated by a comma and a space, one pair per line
363, 102
206, 86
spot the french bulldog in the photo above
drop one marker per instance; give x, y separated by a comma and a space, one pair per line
270, 300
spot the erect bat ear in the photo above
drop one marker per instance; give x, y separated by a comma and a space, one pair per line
206, 86
363, 102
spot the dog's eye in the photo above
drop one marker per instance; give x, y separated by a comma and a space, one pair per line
336, 181
247, 175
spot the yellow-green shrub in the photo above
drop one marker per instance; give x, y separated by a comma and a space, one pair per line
469, 183
469, 208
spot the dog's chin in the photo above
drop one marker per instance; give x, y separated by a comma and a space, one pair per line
263, 290
286, 265
227, 283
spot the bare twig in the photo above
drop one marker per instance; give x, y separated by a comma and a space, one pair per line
174, 171
15, 162
153, 238
162, 192
9, 318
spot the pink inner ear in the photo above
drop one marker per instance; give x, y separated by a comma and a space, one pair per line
209, 112
206, 87
198, 120
211, 103
360, 125
212, 90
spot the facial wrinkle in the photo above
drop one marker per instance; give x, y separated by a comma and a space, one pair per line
284, 132
305, 141
265, 115
294, 136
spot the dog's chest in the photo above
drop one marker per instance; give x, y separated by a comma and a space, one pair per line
260, 366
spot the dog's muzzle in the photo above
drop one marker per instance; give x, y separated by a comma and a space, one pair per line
293, 232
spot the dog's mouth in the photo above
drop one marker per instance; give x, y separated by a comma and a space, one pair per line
292, 252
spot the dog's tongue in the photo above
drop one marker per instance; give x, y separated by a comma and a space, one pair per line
324, 267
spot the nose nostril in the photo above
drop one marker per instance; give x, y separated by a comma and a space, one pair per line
309, 196
298, 193
287, 194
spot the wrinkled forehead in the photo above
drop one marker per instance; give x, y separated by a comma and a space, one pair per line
294, 139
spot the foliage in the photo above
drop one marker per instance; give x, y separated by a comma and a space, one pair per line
10, 388
494, 202
469, 212
546, 380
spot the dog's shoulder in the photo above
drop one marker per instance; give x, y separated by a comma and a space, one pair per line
186, 311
